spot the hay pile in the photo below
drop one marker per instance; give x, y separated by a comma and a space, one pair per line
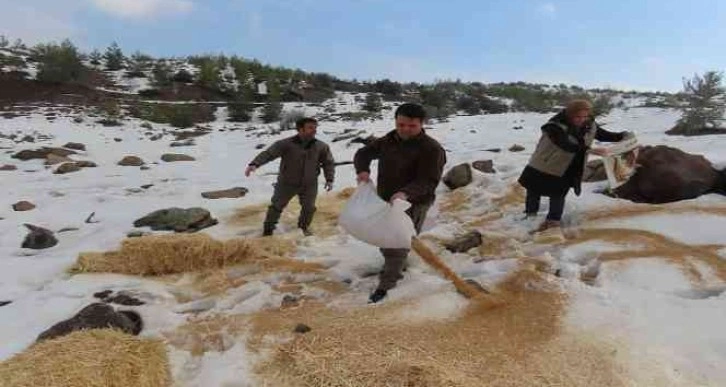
515, 345
93, 358
325, 221
182, 253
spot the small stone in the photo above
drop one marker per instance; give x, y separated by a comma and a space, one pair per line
67, 229
136, 234
465, 242
103, 294
486, 166
516, 148
494, 150
174, 157
23, 205
145, 168
289, 301
131, 161
125, 299
3, 303
75, 146
8, 167
67, 168
117, 139
302, 328
232, 193
147, 186
38, 238
86, 164
458, 176
259, 146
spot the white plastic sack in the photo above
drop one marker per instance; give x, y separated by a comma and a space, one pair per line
620, 161
370, 219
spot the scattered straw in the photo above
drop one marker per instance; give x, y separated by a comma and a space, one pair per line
180, 253
208, 334
325, 220
656, 246
93, 358
515, 345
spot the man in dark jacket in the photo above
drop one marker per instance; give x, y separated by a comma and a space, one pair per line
302, 157
410, 164
558, 162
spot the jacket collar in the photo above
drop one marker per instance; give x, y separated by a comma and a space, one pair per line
561, 119
393, 135
298, 140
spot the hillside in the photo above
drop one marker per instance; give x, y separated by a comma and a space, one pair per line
633, 294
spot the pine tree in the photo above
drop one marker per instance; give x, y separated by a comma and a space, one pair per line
4, 42
161, 74
373, 103
208, 75
114, 58
58, 63
273, 108
95, 57
705, 103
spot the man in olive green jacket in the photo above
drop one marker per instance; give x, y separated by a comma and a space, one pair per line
301, 158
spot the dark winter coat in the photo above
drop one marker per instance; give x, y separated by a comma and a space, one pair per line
558, 162
413, 166
300, 162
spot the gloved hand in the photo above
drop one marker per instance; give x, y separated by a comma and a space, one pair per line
328, 185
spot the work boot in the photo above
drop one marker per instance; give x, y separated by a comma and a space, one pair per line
377, 296
267, 231
307, 232
547, 224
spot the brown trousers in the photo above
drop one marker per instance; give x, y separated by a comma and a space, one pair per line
395, 259
282, 196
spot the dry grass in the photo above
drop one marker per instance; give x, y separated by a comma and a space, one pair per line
515, 345
93, 358
513, 197
657, 246
183, 253
454, 201
325, 221
208, 334
632, 210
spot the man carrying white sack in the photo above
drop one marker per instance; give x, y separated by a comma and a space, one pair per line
410, 165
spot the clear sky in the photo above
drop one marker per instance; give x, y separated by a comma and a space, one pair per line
640, 44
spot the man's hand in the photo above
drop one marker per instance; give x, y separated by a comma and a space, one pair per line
599, 151
363, 177
328, 185
249, 170
399, 195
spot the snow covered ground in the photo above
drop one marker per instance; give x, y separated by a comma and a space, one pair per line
670, 326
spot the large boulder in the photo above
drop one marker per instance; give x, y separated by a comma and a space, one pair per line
177, 219
96, 316
458, 176
42, 153
38, 238
665, 174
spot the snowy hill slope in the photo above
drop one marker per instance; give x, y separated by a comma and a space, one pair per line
646, 280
